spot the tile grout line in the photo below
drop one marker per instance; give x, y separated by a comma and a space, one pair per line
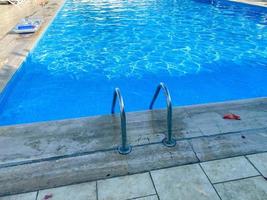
239, 179
235, 156
198, 128
96, 190
243, 131
150, 195
37, 194
210, 181
154, 184
195, 153
253, 165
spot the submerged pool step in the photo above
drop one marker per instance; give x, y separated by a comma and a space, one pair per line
49, 154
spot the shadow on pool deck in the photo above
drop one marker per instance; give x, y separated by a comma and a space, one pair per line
49, 154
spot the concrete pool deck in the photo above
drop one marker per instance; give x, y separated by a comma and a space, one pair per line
57, 153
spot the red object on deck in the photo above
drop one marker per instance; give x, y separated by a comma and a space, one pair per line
232, 116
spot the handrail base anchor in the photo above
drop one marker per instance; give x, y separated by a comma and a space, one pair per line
124, 150
168, 143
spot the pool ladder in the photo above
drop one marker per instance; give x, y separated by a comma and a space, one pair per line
168, 141
124, 148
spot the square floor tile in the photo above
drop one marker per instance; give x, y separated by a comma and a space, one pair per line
125, 187
228, 169
84, 191
260, 162
25, 196
245, 189
183, 183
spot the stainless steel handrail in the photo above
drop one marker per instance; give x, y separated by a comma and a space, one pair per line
124, 148
167, 141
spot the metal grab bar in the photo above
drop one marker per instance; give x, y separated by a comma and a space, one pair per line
167, 141
124, 148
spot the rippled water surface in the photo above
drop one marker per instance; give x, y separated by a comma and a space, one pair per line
204, 53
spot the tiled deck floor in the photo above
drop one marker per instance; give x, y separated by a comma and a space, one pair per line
237, 178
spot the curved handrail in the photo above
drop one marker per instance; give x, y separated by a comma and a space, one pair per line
124, 148
167, 141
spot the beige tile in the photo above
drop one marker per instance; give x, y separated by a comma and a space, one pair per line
228, 169
245, 189
183, 183
260, 162
125, 187
84, 191
25, 196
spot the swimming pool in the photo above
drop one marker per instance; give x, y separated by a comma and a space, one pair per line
204, 52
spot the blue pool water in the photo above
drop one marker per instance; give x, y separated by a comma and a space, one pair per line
204, 52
